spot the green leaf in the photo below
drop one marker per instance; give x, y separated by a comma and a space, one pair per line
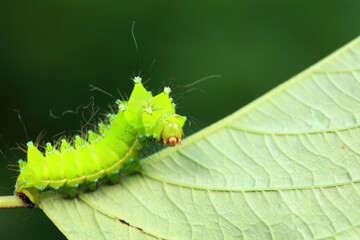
287, 166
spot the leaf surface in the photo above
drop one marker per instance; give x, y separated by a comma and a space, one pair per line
286, 166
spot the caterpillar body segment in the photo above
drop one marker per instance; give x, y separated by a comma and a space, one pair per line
107, 153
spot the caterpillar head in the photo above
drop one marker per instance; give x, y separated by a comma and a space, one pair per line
172, 132
153, 116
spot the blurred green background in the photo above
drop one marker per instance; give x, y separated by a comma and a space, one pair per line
50, 51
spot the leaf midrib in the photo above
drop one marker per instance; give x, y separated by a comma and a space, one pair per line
333, 130
179, 184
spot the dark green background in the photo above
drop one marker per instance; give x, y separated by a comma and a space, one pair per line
50, 51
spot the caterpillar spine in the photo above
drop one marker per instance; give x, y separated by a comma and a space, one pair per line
110, 152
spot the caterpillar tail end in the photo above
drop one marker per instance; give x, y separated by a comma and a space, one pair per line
30, 196
25, 188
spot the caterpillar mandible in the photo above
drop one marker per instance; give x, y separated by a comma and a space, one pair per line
112, 149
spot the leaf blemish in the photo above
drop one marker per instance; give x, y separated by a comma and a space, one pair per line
122, 221
127, 224
342, 147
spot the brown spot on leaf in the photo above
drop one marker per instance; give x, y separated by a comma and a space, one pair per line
127, 224
122, 221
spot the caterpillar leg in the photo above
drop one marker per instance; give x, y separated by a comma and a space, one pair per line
114, 179
91, 185
70, 192
131, 167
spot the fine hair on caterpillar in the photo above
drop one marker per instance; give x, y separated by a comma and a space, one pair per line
104, 153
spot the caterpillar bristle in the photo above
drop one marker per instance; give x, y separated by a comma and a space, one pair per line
13, 167
146, 81
122, 97
20, 146
13, 177
38, 139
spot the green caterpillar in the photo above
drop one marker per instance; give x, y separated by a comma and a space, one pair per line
110, 152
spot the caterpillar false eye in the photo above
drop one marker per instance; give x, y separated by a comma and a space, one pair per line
111, 150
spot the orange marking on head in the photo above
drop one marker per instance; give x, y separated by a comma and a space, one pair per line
172, 141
